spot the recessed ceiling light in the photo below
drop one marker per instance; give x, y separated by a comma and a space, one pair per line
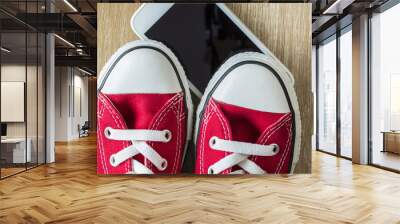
70, 5
64, 40
337, 7
84, 71
5, 50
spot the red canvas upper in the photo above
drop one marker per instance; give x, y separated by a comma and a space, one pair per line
236, 123
141, 111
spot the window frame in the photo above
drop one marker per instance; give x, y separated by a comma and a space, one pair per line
381, 9
334, 37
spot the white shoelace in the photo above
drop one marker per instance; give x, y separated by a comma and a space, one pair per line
138, 137
240, 153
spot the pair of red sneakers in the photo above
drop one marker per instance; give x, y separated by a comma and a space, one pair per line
247, 121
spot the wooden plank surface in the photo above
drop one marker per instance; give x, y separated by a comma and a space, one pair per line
113, 29
70, 191
283, 27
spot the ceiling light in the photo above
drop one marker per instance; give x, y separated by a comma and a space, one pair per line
5, 50
80, 51
337, 7
84, 71
65, 41
70, 5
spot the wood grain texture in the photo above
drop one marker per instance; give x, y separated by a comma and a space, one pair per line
70, 191
113, 29
284, 28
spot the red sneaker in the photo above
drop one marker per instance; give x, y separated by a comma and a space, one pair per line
144, 111
248, 120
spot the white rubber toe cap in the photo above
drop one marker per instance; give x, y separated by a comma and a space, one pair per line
252, 86
141, 70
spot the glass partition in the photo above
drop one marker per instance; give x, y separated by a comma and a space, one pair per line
22, 88
13, 94
41, 97
31, 97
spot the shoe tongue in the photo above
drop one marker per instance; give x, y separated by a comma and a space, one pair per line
138, 110
226, 126
245, 124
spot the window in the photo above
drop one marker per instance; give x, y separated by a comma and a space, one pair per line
327, 96
346, 93
333, 106
314, 91
394, 102
385, 89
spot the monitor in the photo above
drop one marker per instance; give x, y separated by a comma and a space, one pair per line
3, 129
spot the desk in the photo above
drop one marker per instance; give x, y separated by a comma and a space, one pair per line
16, 147
391, 141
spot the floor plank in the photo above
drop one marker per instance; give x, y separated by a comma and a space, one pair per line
70, 191
386, 159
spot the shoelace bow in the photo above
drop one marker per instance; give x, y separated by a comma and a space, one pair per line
138, 137
239, 156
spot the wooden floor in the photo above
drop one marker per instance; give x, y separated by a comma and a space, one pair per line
386, 159
5, 172
10, 171
69, 191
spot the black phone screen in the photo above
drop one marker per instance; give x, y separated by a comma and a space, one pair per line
202, 37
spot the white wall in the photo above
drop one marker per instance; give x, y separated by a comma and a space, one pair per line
79, 118
69, 82
33, 125
61, 103
16, 73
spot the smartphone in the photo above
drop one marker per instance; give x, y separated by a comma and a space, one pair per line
202, 36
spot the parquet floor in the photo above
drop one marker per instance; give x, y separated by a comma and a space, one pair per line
69, 191
387, 159
10, 171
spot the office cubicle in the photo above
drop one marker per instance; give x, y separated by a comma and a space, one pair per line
22, 95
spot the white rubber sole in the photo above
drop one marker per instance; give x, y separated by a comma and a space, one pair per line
287, 80
182, 76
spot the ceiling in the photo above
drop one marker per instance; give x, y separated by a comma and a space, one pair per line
332, 15
75, 23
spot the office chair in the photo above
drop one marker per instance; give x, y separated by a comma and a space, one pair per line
84, 130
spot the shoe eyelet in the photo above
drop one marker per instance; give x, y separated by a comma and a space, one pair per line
107, 132
113, 161
164, 165
213, 141
275, 150
210, 170
167, 135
